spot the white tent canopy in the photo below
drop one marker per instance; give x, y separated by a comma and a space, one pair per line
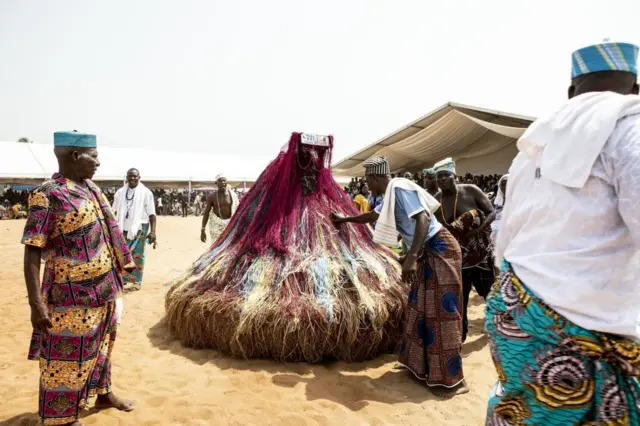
29, 163
481, 141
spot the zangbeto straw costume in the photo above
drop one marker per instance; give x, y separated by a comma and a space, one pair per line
283, 282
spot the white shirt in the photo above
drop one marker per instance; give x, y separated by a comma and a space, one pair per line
576, 248
148, 210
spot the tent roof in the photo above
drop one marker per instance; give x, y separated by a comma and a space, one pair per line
23, 162
30, 163
452, 130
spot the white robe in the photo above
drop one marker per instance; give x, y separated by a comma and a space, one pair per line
572, 234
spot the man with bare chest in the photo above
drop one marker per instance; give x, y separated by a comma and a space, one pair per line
467, 213
223, 204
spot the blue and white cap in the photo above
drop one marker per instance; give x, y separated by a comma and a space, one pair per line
605, 56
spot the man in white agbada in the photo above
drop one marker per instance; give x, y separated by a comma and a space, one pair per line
134, 207
223, 203
564, 321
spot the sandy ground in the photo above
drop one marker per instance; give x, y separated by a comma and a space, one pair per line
173, 385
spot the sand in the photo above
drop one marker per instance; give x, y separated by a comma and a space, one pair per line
173, 385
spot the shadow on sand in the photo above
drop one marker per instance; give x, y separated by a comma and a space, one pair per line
32, 419
24, 419
344, 383
347, 384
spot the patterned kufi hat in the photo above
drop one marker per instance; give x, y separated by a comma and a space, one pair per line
376, 165
605, 56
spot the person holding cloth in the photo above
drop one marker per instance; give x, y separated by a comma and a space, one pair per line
432, 338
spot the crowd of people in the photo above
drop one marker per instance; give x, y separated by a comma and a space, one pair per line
358, 190
437, 210
168, 202
13, 204
562, 232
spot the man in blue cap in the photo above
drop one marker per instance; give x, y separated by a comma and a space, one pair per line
76, 308
563, 321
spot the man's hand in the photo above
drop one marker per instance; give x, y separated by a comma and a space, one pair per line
337, 218
203, 236
40, 317
151, 237
409, 268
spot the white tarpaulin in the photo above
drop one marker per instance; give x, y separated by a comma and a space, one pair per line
31, 163
481, 142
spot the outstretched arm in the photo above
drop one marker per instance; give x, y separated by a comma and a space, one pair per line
363, 218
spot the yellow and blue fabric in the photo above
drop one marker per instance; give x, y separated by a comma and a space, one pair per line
406, 208
74, 139
429, 171
554, 372
362, 203
447, 165
605, 57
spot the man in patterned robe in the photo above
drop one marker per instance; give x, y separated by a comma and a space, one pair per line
76, 308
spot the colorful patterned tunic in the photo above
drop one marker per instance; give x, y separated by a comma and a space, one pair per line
85, 255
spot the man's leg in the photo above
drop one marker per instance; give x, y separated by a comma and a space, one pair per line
467, 283
100, 381
483, 279
66, 378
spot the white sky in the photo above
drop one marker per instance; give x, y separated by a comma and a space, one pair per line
237, 76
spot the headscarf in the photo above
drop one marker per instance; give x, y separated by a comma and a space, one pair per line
500, 197
445, 165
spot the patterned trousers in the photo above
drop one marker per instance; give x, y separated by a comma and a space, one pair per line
75, 360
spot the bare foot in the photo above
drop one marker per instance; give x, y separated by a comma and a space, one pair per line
443, 392
111, 401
